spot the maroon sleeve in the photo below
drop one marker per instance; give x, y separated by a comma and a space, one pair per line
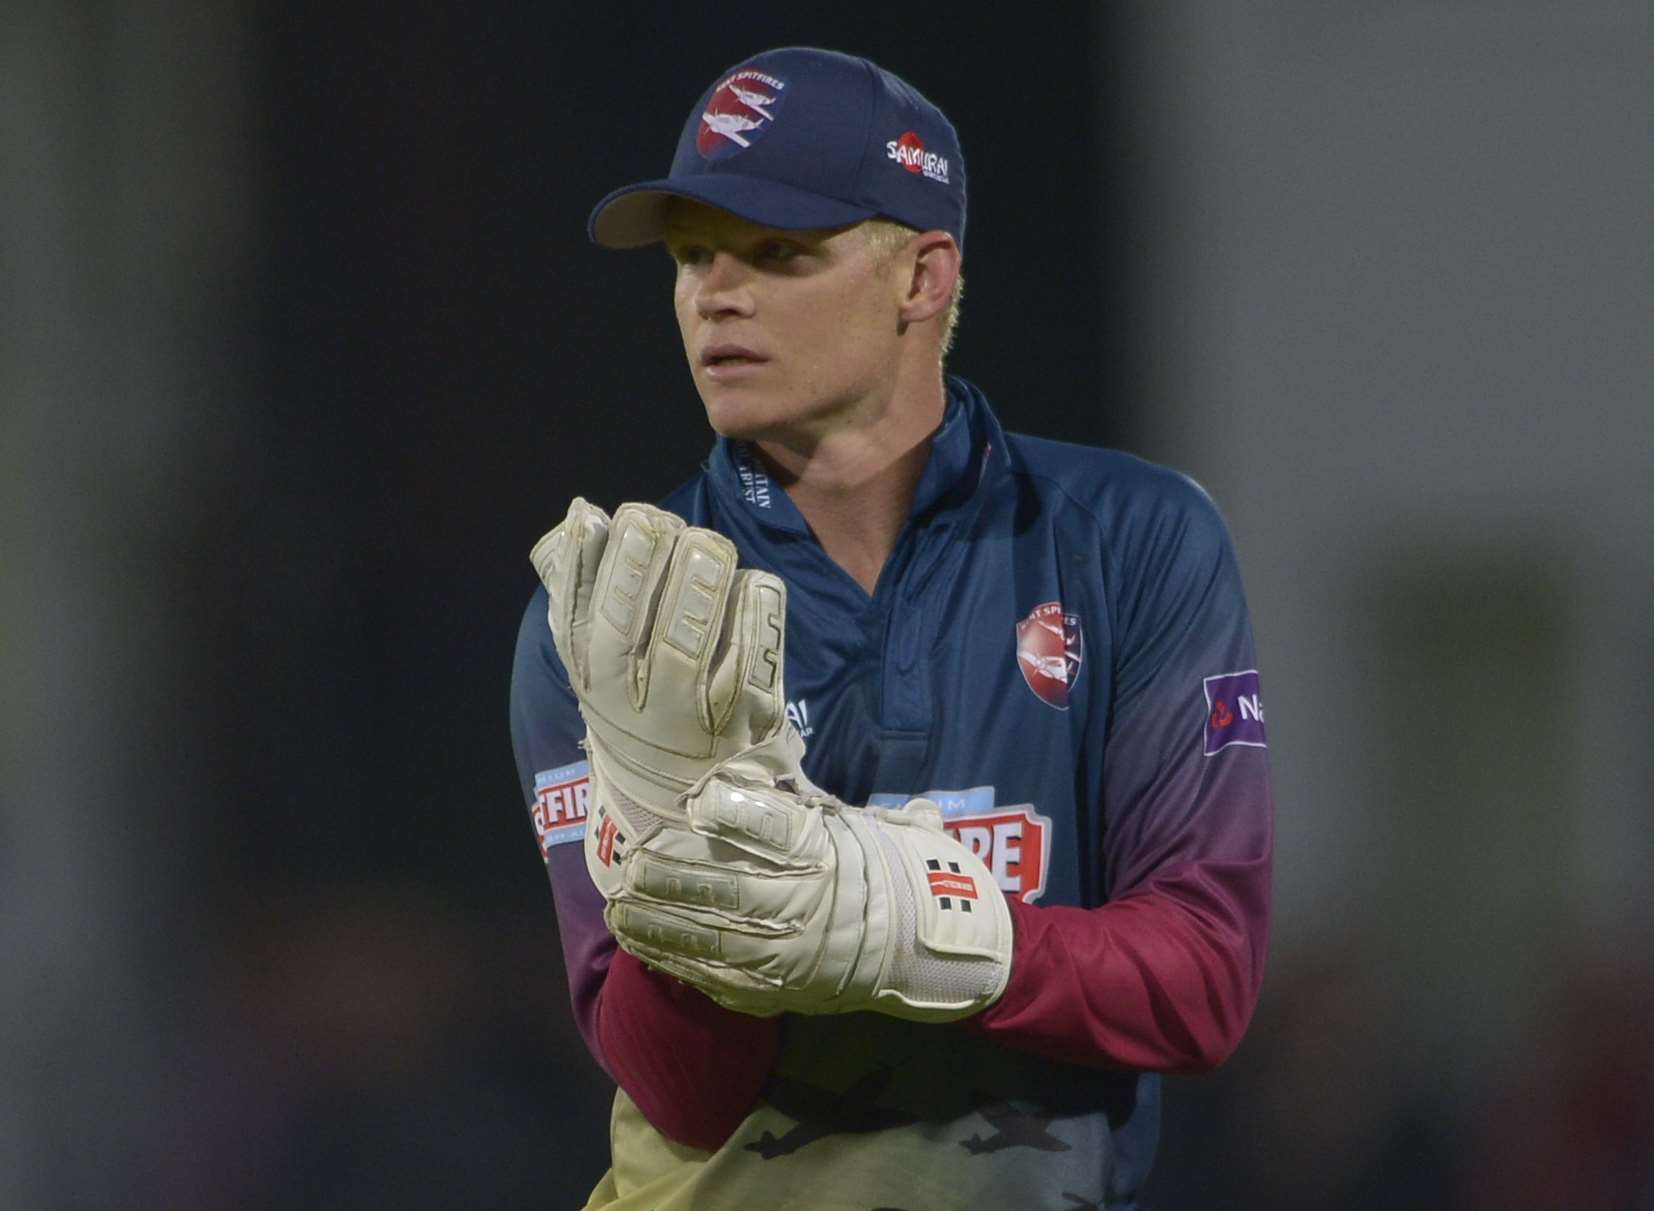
693, 1067
1164, 978
1163, 975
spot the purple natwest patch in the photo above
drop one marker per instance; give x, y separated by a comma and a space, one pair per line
1234, 712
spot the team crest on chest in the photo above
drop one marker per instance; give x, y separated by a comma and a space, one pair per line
1050, 648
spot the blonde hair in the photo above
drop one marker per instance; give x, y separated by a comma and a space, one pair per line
887, 237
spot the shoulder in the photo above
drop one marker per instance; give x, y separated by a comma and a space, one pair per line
1129, 499
536, 656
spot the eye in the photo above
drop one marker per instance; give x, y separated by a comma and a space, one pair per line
778, 252
688, 254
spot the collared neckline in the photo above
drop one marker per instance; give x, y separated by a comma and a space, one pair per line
964, 449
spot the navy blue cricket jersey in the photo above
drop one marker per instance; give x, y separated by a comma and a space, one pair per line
1058, 652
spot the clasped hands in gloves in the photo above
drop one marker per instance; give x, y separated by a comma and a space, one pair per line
719, 861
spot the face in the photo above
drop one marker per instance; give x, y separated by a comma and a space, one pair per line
790, 334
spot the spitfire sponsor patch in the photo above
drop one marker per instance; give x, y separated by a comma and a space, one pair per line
1013, 842
1234, 711
559, 810
739, 112
1050, 649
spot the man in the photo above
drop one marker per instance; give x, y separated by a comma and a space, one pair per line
1025, 864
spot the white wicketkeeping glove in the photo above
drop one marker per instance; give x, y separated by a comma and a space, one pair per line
783, 899
675, 657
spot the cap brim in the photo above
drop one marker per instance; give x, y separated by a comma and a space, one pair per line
635, 215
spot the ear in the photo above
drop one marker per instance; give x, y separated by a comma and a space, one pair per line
929, 286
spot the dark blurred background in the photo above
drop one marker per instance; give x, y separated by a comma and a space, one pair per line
302, 346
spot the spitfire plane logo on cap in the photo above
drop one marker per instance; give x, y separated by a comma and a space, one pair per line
739, 112
1234, 712
1050, 648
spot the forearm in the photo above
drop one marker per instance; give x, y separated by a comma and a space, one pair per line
1163, 979
693, 1068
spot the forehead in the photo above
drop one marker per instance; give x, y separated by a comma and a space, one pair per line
686, 218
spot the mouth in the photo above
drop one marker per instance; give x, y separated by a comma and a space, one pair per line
721, 360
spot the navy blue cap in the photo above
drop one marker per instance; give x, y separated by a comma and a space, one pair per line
801, 138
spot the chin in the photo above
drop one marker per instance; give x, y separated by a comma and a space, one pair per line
742, 430
738, 415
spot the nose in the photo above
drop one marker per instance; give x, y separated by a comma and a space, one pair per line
723, 287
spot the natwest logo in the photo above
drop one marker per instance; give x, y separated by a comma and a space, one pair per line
909, 151
1234, 712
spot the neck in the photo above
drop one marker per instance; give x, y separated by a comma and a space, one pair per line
855, 486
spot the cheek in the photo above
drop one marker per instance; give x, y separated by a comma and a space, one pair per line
864, 320
683, 308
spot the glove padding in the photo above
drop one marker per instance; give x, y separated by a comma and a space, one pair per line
674, 655
783, 899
